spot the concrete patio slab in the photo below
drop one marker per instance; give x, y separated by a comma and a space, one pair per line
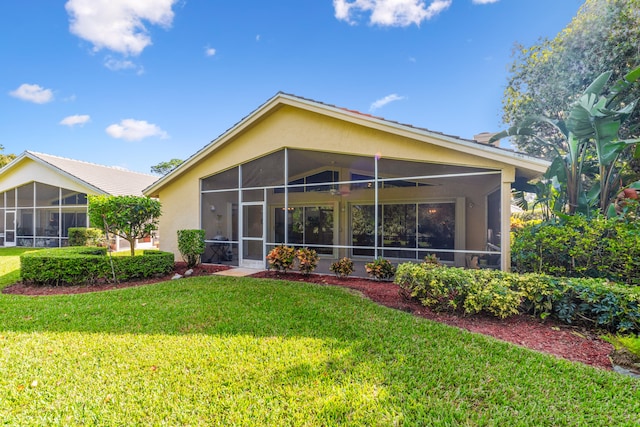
238, 272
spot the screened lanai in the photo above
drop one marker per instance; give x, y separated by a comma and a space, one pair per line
308, 174
348, 205
40, 215
42, 196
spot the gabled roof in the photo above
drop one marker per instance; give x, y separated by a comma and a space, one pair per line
102, 179
531, 166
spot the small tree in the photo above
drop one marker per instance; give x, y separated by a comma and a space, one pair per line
129, 217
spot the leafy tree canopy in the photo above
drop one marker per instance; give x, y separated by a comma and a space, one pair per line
130, 217
164, 168
547, 78
5, 159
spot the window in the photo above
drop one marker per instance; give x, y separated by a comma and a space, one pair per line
321, 181
309, 226
425, 227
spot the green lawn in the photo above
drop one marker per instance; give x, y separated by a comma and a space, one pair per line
248, 352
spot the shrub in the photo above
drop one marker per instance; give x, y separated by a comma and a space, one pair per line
281, 258
307, 260
579, 247
191, 246
593, 302
152, 263
83, 236
380, 269
342, 268
89, 265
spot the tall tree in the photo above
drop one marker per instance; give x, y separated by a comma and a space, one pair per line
5, 159
164, 168
130, 217
547, 78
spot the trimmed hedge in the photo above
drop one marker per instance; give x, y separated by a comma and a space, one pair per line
593, 302
575, 246
90, 265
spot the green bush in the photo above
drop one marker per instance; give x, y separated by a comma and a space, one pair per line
342, 268
281, 258
380, 269
83, 236
152, 263
89, 265
593, 302
579, 247
307, 260
191, 246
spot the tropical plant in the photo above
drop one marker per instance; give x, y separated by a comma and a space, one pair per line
130, 217
431, 260
191, 246
342, 268
307, 260
380, 269
281, 258
585, 170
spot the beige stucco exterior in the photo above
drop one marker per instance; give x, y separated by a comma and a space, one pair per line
29, 170
295, 123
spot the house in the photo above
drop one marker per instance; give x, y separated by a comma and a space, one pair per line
304, 173
42, 196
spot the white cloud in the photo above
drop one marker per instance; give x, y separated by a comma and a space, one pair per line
118, 25
115, 64
33, 93
209, 51
258, 37
77, 119
384, 101
400, 13
135, 130
484, 1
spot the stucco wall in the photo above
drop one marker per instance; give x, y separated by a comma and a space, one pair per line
29, 171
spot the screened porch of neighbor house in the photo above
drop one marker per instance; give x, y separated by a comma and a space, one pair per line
40, 215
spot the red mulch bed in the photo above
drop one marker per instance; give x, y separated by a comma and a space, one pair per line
180, 268
569, 342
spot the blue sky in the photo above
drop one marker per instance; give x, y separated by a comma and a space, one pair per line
134, 83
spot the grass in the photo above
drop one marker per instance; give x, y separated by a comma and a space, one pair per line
630, 342
248, 352
10, 265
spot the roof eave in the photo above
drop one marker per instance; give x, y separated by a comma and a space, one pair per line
32, 156
521, 161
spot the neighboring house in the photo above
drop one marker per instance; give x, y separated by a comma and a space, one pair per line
42, 196
303, 173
